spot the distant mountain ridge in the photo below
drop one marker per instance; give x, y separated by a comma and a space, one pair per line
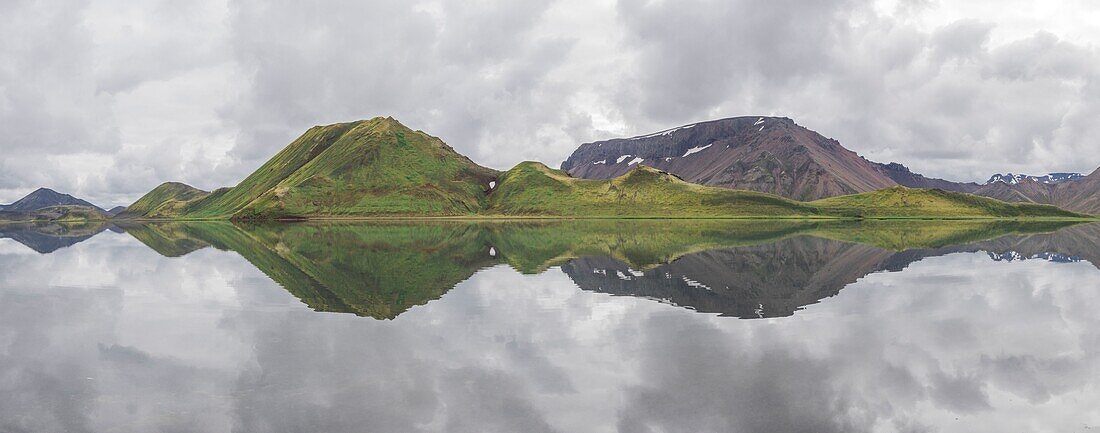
1052, 178
776, 155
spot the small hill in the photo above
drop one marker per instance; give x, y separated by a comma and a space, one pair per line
43, 198
376, 167
766, 154
902, 202
169, 199
112, 212
532, 188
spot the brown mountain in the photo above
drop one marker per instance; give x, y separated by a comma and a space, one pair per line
767, 154
901, 174
1081, 195
776, 155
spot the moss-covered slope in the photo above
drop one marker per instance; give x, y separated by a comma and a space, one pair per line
169, 199
376, 167
532, 188
902, 202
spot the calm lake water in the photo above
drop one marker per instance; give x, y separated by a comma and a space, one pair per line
600, 326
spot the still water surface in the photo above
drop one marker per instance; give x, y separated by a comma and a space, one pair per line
604, 326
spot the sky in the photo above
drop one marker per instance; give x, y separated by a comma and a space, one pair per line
106, 99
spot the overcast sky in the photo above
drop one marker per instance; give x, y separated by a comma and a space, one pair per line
107, 99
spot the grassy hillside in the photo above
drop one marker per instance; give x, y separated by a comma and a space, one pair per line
902, 202
169, 199
376, 167
532, 188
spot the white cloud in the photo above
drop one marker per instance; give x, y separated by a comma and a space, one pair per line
204, 91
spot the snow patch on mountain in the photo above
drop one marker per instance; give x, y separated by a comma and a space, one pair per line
697, 149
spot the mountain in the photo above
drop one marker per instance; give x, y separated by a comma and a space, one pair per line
1052, 178
765, 154
43, 198
374, 167
46, 238
166, 200
1078, 194
904, 177
777, 156
534, 189
112, 212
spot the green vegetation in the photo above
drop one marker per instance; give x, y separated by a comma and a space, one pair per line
902, 202
167, 200
532, 189
376, 167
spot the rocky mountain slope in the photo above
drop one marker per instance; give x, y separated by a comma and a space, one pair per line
904, 177
766, 154
1078, 194
775, 155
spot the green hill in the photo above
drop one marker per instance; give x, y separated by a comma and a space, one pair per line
376, 167
902, 202
532, 188
169, 199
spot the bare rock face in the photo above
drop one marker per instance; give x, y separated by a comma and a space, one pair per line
901, 174
766, 154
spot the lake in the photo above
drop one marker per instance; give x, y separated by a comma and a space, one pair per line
544, 326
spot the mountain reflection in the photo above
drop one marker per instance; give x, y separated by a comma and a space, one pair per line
745, 269
47, 237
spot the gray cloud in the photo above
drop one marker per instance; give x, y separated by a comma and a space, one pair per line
105, 99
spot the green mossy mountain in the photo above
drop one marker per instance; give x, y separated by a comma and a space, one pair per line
167, 200
376, 167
